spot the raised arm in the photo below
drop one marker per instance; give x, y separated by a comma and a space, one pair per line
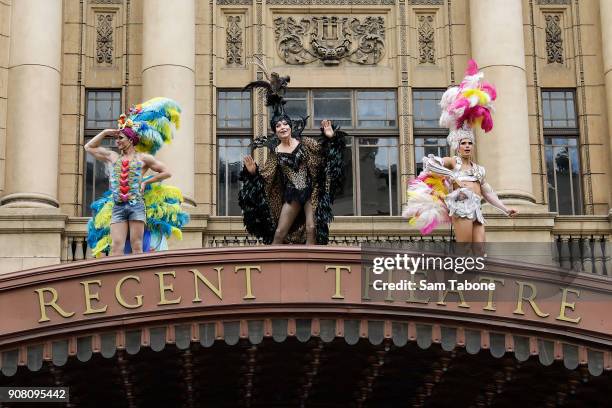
160, 168
94, 147
493, 199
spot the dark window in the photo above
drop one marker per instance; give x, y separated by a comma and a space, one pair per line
429, 137
231, 150
103, 110
378, 161
234, 134
561, 149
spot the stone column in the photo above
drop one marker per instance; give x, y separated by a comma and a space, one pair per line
168, 69
605, 11
496, 28
33, 114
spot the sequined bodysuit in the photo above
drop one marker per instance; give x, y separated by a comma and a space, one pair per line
125, 180
296, 180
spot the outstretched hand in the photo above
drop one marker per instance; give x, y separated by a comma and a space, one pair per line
512, 212
250, 165
326, 127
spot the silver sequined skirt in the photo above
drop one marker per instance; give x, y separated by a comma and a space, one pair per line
464, 203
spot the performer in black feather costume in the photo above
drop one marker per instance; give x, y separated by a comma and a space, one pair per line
290, 198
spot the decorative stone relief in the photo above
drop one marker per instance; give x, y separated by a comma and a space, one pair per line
106, 1
427, 52
556, 2
104, 38
233, 40
302, 40
554, 39
329, 2
234, 2
427, 2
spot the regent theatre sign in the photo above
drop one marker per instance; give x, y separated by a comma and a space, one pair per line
185, 284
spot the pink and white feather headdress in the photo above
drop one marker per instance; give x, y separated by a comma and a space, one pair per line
466, 106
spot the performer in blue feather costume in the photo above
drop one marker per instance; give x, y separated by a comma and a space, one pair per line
138, 213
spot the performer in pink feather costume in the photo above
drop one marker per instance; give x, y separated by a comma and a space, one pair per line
452, 188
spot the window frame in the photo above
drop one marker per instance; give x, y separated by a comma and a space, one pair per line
228, 133
355, 134
425, 132
550, 133
88, 134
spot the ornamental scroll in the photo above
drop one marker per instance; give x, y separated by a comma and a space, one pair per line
330, 39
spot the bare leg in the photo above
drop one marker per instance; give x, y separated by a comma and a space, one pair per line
478, 232
311, 238
136, 233
478, 238
118, 233
287, 216
463, 229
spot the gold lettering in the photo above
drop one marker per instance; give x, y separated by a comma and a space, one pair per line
247, 276
338, 269
198, 276
490, 305
119, 296
530, 299
52, 303
565, 304
459, 293
92, 296
412, 297
163, 288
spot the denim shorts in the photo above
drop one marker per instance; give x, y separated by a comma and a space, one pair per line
124, 212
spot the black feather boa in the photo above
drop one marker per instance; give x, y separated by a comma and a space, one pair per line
257, 217
330, 181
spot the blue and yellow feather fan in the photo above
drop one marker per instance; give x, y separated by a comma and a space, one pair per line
154, 121
165, 219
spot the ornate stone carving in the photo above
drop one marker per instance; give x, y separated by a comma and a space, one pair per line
234, 40
554, 39
557, 2
427, 54
330, 39
104, 38
427, 2
234, 2
329, 2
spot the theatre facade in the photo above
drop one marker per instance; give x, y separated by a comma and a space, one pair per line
222, 320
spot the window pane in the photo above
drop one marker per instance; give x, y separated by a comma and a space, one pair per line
376, 109
558, 109
333, 105
550, 180
424, 146
378, 185
103, 109
426, 108
96, 177
297, 103
563, 175
231, 150
233, 109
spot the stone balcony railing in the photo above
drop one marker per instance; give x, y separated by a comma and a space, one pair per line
581, 243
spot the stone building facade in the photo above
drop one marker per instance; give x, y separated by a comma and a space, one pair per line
68, 68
